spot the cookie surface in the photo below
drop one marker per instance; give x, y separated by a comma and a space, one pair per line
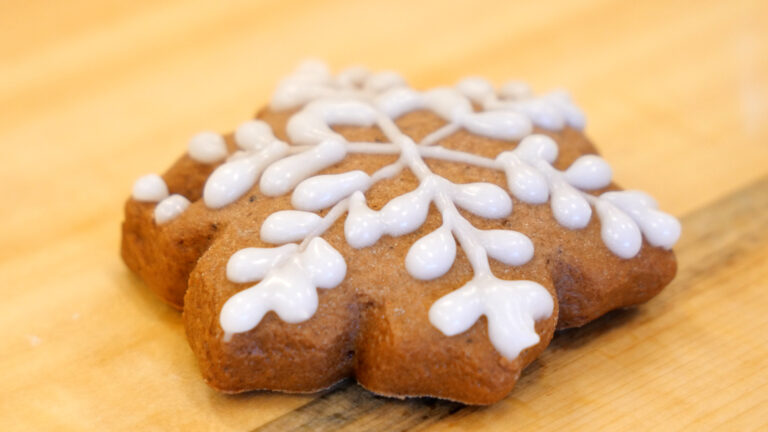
294, 275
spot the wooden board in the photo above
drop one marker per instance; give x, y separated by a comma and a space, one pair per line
93, 94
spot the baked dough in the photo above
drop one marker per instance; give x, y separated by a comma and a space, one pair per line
376, 324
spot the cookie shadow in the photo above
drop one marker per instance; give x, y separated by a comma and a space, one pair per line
577, 337
348, 406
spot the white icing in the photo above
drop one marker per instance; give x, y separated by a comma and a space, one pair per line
170, 208
312, 124
619, 232
150, 188
477, 89
543, 114
509, 247
569, 206
353, 76
319, 192
288, 226
537, 147
398, 101
406, 213
501, 125
286, 173
291, 273
254, 135
574, 117
252, 264
512, 309
432, 255
589, 172
308, 82
289, 288
363, 226
483, 199
233, 179
384, 80
207, 147
660, 229
515, 90
525, 182
448, 103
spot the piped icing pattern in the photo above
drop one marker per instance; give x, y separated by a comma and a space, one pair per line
170, 208
207, 147
286, 277
150, 188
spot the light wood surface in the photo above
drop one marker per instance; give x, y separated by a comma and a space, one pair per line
92, 94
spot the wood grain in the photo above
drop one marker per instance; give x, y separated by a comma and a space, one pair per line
92, 94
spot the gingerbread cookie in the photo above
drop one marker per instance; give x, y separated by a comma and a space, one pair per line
425, 243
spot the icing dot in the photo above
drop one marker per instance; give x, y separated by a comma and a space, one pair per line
231, 180
619, 232
631, 198
544, 114
515, 90
589, 172
509, 247
432, 255
288, 225
150, 188
286, 173
398, 101
170, 208
503, 125
448, 103
324, 264
534, 147
525, 182
311, 125
207, 147
353, 76
569, 207
572, 114
575, 117
384, 80
253, 135
252, 264
363, 226
483, 199
405, 213
660, 229
323, 191
475, 88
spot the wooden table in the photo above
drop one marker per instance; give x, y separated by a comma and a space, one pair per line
92, 94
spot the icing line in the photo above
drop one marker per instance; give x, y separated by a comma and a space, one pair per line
359, 97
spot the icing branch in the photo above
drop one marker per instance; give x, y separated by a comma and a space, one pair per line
511, 307
237, 176
289, 279
625, 216
289, 275
551, 111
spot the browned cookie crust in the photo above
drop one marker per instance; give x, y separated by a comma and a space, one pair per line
375, 326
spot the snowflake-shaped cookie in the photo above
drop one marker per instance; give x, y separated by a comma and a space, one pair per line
420, 241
